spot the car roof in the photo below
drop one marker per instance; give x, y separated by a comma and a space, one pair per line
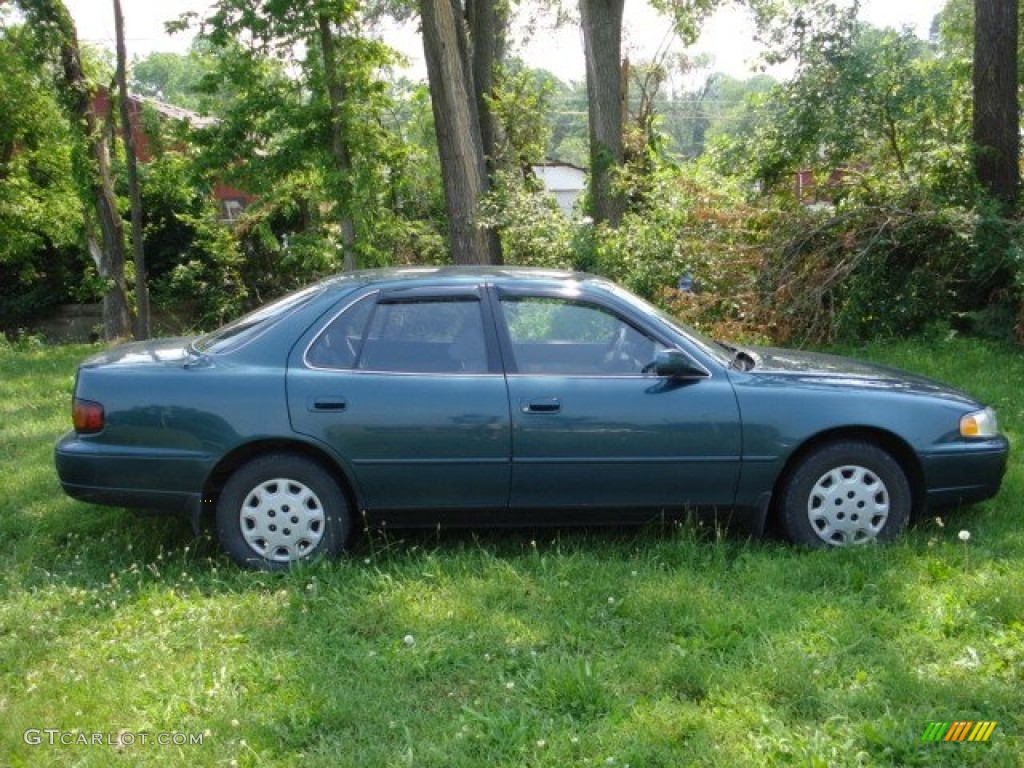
449, 275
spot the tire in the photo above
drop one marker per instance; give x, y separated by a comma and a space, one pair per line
843, 494
281, 509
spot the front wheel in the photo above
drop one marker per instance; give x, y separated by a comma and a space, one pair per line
281, 509
846, 493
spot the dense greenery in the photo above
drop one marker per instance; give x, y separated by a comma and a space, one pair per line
838, 204
661, 647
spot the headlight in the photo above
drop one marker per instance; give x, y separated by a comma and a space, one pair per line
979, 424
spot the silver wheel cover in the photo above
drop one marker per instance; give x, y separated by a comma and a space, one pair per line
848, 505
282, 520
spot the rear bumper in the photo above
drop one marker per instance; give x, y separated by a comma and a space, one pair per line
965, 474
127, 477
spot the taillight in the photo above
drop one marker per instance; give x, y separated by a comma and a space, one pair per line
86, 415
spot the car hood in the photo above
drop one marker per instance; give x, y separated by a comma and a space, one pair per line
833, 370
144, 353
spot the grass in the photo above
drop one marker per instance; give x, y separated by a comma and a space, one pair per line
659, 647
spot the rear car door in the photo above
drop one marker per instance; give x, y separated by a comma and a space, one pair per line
407, 388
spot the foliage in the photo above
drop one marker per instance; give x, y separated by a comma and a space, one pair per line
41, 256
36, 201
274, 132
864, 272
684, 222
568, 120
877, 109
174, 78
194, 262
521, 103
533, 230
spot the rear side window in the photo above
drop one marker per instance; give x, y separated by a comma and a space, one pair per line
339, 344
244, 329
415, 336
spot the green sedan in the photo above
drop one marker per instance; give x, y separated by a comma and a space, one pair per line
502, 396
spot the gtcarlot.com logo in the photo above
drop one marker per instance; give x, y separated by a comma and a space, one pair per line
55, 737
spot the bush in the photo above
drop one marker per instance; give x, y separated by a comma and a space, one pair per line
777, 271
868, 272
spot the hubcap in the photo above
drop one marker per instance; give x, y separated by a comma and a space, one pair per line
282, 520
848, 505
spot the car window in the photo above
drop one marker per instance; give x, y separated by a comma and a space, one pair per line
421, 335
425, 336
339, 343
233, 335
563, 336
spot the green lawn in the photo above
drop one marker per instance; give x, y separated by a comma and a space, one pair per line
658, 647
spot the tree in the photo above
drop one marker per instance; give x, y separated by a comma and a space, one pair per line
488, 22
601, 21
461, 60
58, 40
172, 77
607, 74
996, 121
337, 96
457, 124
301, 124
878, 109
131, 163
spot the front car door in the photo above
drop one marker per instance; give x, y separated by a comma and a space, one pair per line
590, 428
406, 387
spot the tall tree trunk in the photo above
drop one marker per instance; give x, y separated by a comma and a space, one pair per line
50, 17
487, 20
602, 46
131, 162
996, 129
337, 95
457, 124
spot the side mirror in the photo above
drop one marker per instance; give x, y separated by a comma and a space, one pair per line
673, 364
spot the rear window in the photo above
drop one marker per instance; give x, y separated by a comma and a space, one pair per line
244, 329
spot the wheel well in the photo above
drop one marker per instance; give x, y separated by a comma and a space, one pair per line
245, 453
892, 444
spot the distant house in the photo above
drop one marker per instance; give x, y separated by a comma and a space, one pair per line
230, 200
563, 180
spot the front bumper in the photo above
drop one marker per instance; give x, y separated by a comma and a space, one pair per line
966, 472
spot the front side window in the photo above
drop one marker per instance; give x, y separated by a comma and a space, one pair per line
414, 336
567, 337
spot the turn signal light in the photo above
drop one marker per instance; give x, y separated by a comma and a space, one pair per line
87, 416
979, 424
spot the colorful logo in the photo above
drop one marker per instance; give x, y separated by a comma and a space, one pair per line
959, 730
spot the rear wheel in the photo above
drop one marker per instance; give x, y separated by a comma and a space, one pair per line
846, 493
281, 509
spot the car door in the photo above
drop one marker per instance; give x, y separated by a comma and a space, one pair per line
591, 429
406, 387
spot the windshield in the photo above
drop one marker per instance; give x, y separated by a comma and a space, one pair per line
244, 329
715, 349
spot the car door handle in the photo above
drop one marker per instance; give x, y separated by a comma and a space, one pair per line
542, 405
328, 404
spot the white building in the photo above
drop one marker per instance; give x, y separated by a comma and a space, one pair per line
563, 180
